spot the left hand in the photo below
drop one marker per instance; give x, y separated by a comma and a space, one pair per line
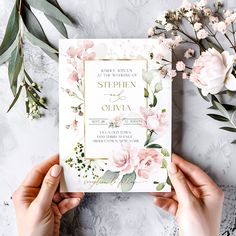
38, 205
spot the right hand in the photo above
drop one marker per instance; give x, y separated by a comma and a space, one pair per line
196, 200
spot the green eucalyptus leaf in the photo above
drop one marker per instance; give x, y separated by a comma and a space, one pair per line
154, 145
154, 103
164, 164
34, 27
30, 80
146, 93
58, 25
165, 152
50, 10
11, 31
7, 54
160, 186
32, 24
15, 98
14, 68
218, 117
220, 108
168, 180
127, 181
230, 129
204, 97
234, 142
108, 177
228, 107
39, 43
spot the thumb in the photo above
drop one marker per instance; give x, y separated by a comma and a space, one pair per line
179, 182
49, 186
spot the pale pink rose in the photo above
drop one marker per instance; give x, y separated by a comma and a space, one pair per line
180, 66
189, 53
154, 121
172, 73
197, 26
212, 72
123, 159
151, 31
220, 27
71, 52
88, 44
73, 77
202, 34
149, 161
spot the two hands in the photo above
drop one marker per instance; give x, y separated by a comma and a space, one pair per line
196, 200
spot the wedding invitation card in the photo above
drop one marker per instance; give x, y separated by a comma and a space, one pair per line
115, 115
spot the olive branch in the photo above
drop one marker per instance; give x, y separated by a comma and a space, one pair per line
22, 24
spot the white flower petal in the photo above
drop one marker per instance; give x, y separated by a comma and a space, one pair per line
230, 83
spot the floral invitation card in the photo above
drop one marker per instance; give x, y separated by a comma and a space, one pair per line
115, 115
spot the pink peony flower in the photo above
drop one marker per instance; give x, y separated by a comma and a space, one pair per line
153, 121
149, 161
124, 159
202, 34
180, 66
212, 72
73, 76
71, 52
88, 44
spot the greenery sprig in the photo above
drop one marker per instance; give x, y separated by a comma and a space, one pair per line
23, 24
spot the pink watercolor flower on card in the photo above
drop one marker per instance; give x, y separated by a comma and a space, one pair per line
148, 161
153, 121
73, 77
124, 159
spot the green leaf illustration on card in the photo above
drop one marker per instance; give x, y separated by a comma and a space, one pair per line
165, 152
109, 177
127, 181
160, 186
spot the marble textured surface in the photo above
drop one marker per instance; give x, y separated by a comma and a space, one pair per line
23, 143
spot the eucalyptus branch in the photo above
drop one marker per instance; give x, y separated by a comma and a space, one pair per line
23, 22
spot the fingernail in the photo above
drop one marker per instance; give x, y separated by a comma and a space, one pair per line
56, 170
172, 168
76, 201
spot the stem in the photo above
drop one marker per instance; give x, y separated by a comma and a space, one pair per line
19, 9
233, 46
233, 33
214, 35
